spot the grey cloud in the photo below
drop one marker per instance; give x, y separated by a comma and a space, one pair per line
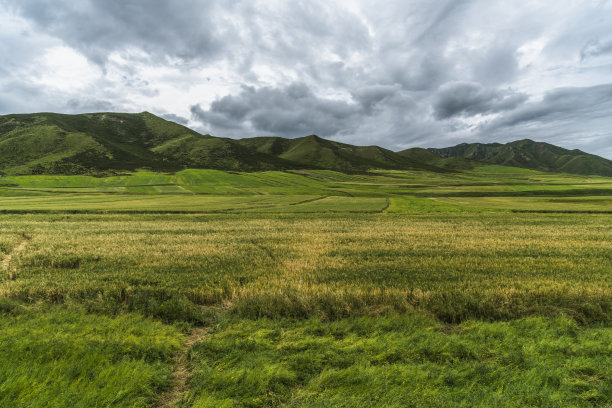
375, 114
468, 99
21, 97
496, 64
89, 105
577, 117
427, 74
439, 24
290, 111
371, 96
596, 48
175, 118
584, 25
97, 27
563, 104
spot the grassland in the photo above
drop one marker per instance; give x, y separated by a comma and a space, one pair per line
314, 288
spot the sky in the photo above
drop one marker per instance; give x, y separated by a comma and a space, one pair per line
398, 74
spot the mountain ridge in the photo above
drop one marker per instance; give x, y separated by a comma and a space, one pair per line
105, 143
530, 154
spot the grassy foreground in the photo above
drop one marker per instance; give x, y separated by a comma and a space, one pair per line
397, 290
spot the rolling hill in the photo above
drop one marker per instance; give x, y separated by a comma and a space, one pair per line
109, 143
313, 151
50, 143
426, 156
103, 143
531, 155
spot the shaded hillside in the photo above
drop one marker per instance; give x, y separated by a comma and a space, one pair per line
431, 158
50, 143
208, 152
531, 155
315, 152
103, 143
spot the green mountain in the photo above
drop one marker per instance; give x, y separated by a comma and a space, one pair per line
315, 152
107, 143
433, 159
104, 143
531, 155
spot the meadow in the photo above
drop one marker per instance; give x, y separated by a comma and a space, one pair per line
490, 287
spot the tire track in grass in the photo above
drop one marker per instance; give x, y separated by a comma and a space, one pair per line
6, 262
273, 205
179, 388
309, 200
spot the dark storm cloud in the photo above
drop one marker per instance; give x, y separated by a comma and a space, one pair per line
469, 99
159, 28
376, 112
565, 105
293, 110
372, 96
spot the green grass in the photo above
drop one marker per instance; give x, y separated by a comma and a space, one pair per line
485, 187
402, 361
102, 203
331, 205
547, 204
316, 288
419, 205
58, 358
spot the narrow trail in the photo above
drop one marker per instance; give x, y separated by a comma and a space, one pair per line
179, 388
5, 265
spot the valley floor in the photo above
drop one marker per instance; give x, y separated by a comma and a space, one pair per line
210, 289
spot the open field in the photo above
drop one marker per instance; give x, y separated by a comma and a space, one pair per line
310, 288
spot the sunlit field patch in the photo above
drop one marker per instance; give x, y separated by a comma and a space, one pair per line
453, 266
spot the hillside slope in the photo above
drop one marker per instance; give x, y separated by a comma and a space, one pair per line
531, 155
315, 152
431, 158
50, 143
107, 143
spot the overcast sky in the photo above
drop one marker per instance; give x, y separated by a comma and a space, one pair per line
393, 73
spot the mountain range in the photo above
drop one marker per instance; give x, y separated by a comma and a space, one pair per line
110, 143
530, 155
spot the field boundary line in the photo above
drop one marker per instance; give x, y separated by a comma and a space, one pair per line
179, 388
387, 205
562, 211
310, 200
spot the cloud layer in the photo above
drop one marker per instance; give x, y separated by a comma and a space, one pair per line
403, 74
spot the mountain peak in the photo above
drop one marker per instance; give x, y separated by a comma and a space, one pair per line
530, 154
107, 142
110, 142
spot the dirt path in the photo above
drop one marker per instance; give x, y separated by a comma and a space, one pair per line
179, 377
6, 262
